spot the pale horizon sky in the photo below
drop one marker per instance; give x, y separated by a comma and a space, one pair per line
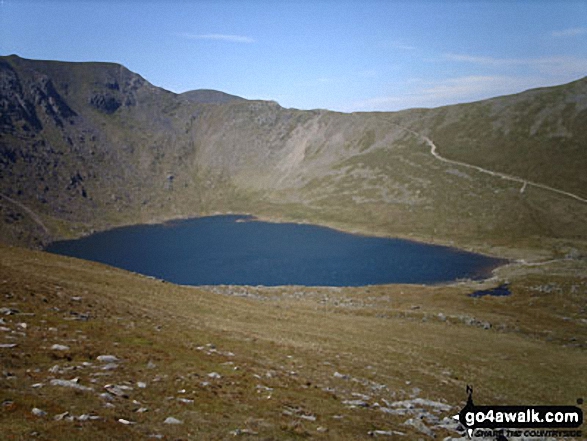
346, 56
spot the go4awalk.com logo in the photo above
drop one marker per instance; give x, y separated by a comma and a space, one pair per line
502, 422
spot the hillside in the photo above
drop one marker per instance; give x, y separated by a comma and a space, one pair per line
88, 146
273, 363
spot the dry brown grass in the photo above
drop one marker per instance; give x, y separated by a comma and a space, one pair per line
388, 340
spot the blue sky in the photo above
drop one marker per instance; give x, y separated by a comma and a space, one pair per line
357, 55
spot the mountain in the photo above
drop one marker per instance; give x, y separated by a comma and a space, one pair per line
89, 146
206, 96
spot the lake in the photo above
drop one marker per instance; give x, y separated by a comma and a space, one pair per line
239, 250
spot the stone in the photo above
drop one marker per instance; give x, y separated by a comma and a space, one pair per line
8, 345
387, 410
109, 367
107, 358
385, 433
214, 375
116, 390
308, 417
57, 347
410, 404
70, 383
38, 412
60, 416
356, 403
420, 426
171, 420
238, 432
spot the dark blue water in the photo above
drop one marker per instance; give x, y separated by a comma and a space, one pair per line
237, 250
498, 291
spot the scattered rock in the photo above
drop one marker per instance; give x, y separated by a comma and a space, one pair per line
125, 422
214, 375
171, 420
308, 417
238, 432
119, 391
60, 416
57, 347
38, 412
107, 358
420, 426
385, 433
141, 384
109, 367
356, 403
70, 383
410, 404
8, 345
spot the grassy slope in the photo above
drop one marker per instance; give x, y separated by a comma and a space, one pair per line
389, 340
538, 135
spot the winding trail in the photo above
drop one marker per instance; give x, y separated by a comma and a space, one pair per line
524, 182
26, 209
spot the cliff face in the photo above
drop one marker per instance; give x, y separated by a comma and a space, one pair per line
92, 145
